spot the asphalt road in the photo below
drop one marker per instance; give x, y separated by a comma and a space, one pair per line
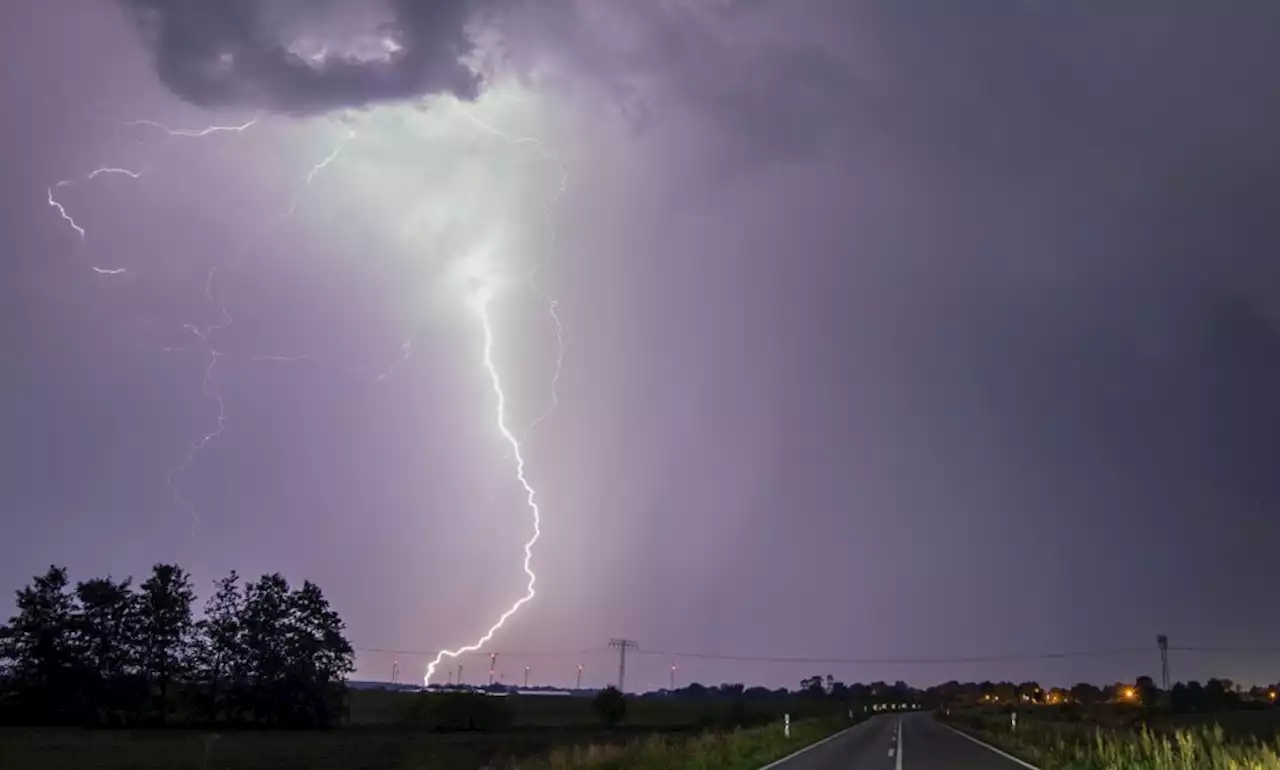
912, 741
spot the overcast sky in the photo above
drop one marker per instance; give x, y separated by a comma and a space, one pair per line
891, 330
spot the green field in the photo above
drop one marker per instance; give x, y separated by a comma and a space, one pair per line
733, 750
346, 749
541, 732
379, 707
372, 749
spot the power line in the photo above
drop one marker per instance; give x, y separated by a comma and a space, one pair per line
802, 659
1231, 650
622, 645
1002, 658
504, 653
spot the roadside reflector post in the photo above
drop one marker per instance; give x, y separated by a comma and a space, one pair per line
786, 725
1013, 720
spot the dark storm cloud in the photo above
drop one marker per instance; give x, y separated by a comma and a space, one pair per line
217, 53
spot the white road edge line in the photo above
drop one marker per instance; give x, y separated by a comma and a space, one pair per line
794, 754
988, 746
897, 763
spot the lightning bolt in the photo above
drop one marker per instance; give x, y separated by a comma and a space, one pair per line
316, 169
62, 210
204, 334
481, 304
196, 133
482, 300
284, 359
406, 352
112, 170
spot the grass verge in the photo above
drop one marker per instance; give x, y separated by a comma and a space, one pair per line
1080, 747
368, 749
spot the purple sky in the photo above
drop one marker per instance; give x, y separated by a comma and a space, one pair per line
891, 330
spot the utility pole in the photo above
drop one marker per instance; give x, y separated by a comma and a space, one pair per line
579, 685
493, 664
526, 677
459, 674
1162, 642
622, 646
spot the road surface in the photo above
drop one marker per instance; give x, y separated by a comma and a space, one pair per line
911, 741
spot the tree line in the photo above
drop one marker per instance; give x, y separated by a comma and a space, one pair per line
104, 652
1182, 697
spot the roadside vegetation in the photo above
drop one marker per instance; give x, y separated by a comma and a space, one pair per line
1081, 746
1211, 727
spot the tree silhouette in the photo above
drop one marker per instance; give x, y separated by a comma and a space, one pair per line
165, 630
219, 655
812, 686
1087, 694
610, 705
264, 618
1148, 693
40, 649
107, 654
106, 647
319, 656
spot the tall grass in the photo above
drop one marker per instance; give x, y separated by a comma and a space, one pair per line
737, 750
1052, 748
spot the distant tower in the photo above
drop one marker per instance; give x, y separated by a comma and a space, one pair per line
673, 676
579, 685
622, 646
395, 672
459, 674
1163, 642
449, 680
526, 677
493, 664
